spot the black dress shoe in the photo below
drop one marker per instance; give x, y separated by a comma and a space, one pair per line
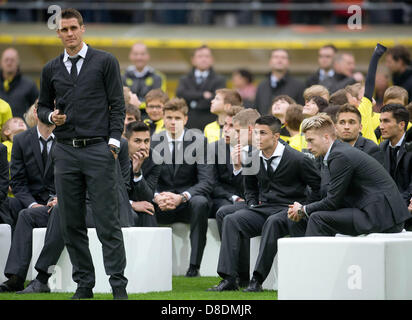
83, 293
35, 286
119, 293
192, 272
254, 286
7, 287
225, 285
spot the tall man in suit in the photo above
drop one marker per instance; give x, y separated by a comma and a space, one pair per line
32, 182
81, 93
348, 128
185, 181
362, 197
284, 175
198, 88
325, 60
394, 120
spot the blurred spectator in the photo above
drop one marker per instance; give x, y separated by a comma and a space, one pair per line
5, 112
315, 90
314, 106
12, 127
339, 98
278, 82
18, 90
140, 77
243, 82
344, 67
155, 101
30, 117
398, 60
280, 106
325, 62
293, 119
381, 84
198, 88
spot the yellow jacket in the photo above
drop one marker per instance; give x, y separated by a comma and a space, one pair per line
5, 112
213, 132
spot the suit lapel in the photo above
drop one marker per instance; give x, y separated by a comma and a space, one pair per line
36, 148
402, 152
387, 159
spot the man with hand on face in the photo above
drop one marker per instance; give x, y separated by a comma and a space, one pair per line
144, 174
361, 197
82, 94
186, 180
348, 128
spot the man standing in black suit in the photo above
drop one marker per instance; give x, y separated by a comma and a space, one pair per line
284, 174
82, 94
186, 180
278, 82
348, 128
394, 119
198, 88
325, 61
32, 182
362, 198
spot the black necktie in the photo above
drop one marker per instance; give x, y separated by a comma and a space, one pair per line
269, 168
44, 153
394, 158
174, 151
73, 70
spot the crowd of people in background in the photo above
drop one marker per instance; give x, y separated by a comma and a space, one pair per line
374, 120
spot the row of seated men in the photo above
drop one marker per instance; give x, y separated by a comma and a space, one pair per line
175, 175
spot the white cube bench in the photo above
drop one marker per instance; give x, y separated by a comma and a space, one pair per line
375, 267
271, 282
148, 261
181, 249
5, 243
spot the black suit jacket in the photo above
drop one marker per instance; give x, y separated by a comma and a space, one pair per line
338, 81
5, 216
227, 184
199, 107
30, 181
195, 176
369, 147
359, 181
288, 184
403, 169
143, 190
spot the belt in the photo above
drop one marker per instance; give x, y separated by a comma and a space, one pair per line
81, 142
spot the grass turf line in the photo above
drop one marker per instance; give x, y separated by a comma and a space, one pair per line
183, 289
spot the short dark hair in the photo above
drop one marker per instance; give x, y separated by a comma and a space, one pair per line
399, 112
338, 98
135, 126
203, 46
321, 103
285, 97
348, 108
176, 104
156, 94
72, 13
134, 111
246, 74
330, 46
271, 121
294, 116
400, 53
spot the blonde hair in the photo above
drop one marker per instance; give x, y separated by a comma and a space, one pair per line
246, 117
316, 90
396, 92
354, 89
321, 122
29, 117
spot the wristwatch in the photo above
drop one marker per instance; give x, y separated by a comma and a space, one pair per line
184, 197
301, 213
137, 174
115, 149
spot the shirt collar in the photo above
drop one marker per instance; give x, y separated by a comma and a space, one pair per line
278, 152
199, 73
81, 53
40, 136
399, 142
330, 73
325, 158
273, 81
180, 138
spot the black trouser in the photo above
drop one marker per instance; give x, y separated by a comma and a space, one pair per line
329, 223
20, 252
275, 227
92, 169
218, 203
195, 212
244, 223
244, 254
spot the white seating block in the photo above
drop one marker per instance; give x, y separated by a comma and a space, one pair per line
375, 267
5, 243
148, 261
181, 249
271, 282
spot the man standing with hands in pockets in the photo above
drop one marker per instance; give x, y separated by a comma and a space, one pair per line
81, 93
